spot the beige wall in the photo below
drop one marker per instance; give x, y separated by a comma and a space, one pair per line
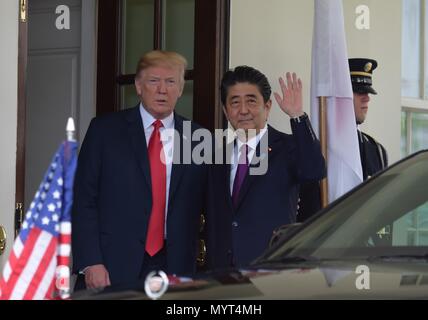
276, 36
8, 109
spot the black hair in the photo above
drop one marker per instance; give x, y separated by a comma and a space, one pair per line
242, 74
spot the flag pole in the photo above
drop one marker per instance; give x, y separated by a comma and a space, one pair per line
70, 130
323, 141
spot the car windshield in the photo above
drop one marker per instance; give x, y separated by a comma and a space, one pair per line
387, 217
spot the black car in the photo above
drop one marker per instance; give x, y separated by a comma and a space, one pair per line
372, 243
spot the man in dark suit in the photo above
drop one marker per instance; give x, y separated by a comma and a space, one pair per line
257, 191
134, 209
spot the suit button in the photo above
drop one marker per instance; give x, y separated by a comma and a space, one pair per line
234, 224
229, 252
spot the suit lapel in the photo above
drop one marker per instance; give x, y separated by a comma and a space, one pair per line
177, 168
138, 142
273, 149
226, 172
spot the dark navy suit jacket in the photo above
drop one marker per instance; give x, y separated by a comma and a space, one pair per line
236, 236
112, 200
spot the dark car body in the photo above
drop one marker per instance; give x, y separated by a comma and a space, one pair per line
372, 243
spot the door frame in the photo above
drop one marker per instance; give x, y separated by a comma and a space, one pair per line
22, 102
212, 20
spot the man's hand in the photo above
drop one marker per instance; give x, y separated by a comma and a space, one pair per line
96, 276
291, 102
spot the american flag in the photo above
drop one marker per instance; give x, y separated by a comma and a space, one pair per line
38, 265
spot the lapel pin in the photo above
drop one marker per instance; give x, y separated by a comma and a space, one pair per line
270, 149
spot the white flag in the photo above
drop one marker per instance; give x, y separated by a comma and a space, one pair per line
331, 78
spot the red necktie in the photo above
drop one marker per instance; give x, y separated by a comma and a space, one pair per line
155, 233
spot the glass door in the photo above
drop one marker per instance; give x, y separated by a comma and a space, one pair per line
197, 29
176, 33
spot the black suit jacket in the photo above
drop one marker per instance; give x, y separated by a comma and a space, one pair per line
112, 200
238, 235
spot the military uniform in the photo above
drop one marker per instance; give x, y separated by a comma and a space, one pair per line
373, 155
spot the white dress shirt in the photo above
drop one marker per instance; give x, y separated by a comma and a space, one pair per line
167, 137
252, 145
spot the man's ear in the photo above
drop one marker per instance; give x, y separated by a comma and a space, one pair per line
182, 83
137, 83
268, 106
225, 113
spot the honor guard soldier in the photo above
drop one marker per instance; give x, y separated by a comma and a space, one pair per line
373, 155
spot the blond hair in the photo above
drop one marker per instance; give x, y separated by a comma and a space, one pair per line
159, 58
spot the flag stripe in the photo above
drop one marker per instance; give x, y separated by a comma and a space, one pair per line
20, 264
63, 261
51, 289
10, 265
65, 227
65, 238
64, 249
7, 271
45, 288
42, 268
32, 262
2, 286
18, 246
